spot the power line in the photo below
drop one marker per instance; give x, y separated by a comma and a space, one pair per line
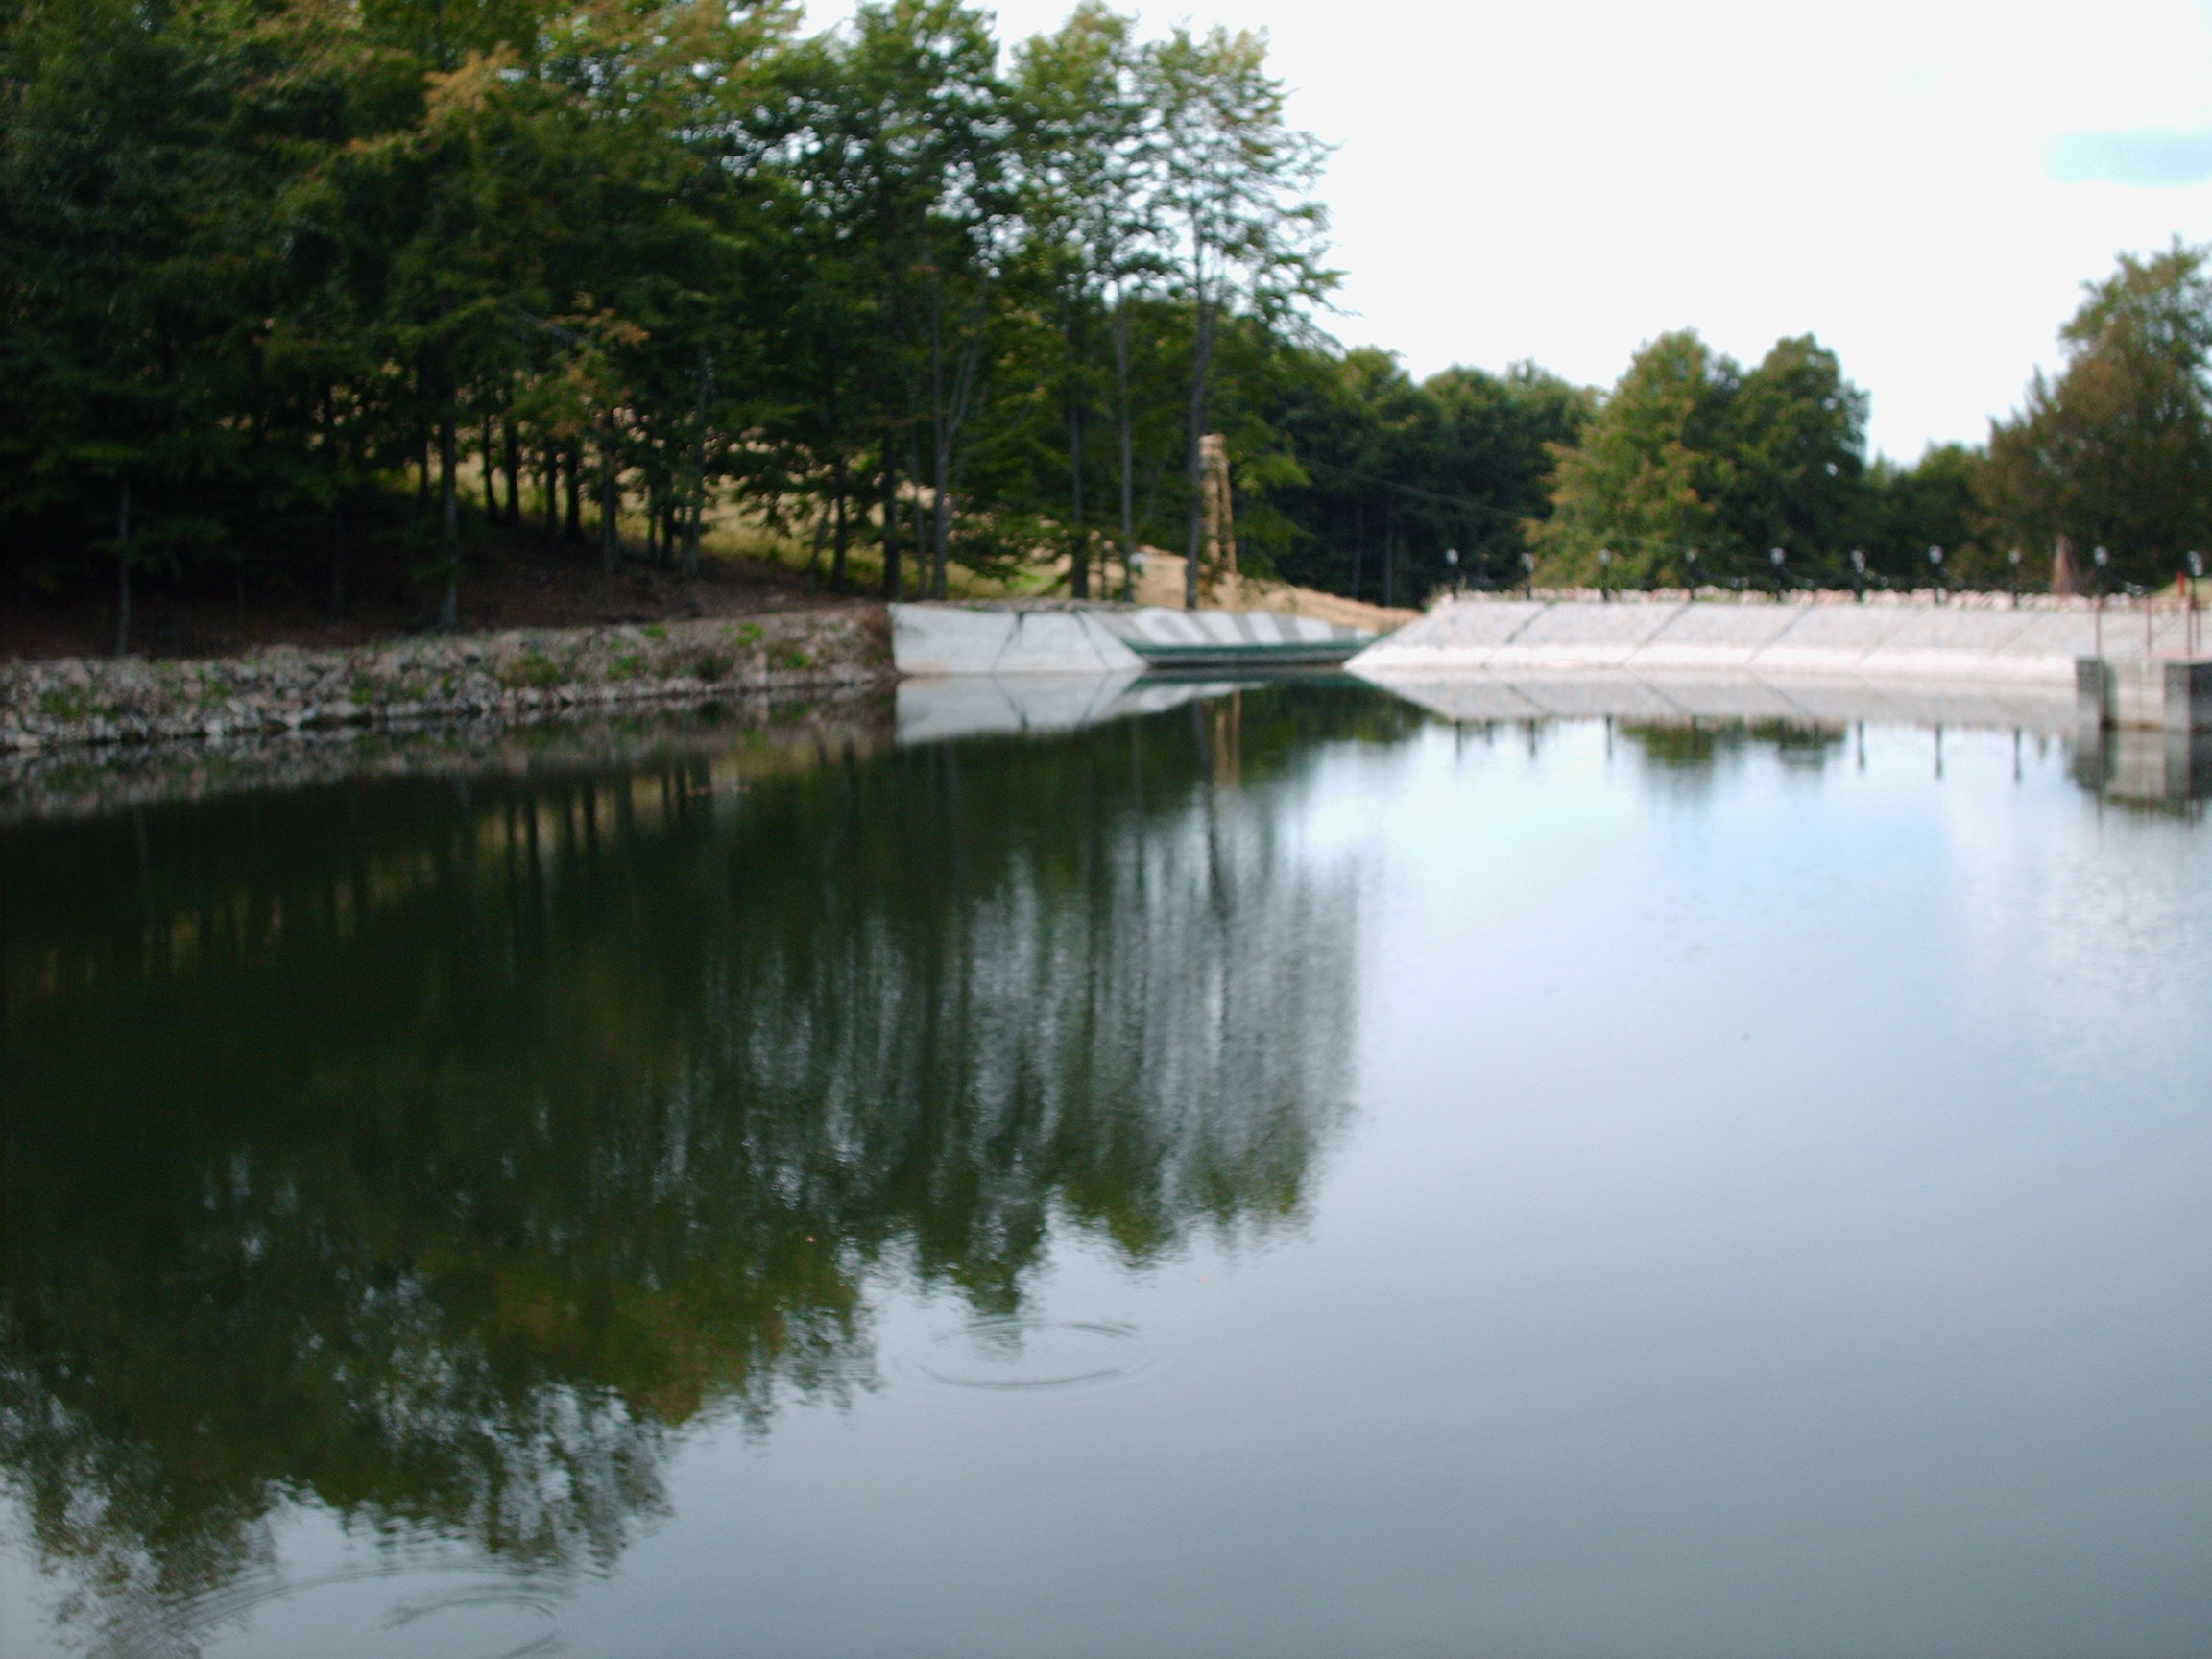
1415, 489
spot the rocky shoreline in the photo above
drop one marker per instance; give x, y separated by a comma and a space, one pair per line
91, 704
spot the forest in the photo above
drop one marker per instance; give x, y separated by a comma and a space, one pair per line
289, 280
1696, 470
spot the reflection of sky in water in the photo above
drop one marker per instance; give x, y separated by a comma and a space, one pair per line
1771, 1221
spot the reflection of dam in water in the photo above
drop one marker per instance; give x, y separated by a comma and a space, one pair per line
2127, 763
495, 1128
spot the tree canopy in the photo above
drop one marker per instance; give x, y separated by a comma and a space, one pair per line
2117, 450
1696, 470
265, 260
281, 276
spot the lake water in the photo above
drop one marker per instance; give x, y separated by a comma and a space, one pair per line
1278, 1177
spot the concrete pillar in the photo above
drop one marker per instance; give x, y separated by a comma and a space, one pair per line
2176, 695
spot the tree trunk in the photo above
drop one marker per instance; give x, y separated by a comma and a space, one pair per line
1194, 456
918, 526
838, 486
697, 505
947, 413
940, 448
331, 443
1127, 446
1389, 552
814, 559
490, 475
449, 523
551, 472
610, 505
1079, 564
338, 554
572, 464
891, 582
514, 470
123, 570
1358, 541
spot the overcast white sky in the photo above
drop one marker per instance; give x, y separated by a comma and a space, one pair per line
1922, 183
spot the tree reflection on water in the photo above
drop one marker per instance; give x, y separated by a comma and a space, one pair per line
1698, 747
434, 1151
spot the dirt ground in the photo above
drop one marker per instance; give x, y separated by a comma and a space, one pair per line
506, 585
514, 580
1162, 584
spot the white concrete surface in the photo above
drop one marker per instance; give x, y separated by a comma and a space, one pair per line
1152, 625
962, 639
1921, 642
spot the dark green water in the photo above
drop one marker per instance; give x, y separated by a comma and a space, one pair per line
1279, 1176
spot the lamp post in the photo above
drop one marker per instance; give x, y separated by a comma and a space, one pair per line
1858, 574
2013, 558
1774, 557
1935, 572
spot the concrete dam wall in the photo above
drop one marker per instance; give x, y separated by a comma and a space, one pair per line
1968, 640
968, 640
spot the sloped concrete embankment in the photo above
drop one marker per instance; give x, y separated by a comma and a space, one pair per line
2033, 648
978, 640
521, 675
998, 640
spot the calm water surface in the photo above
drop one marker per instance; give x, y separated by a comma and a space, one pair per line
1278, 1178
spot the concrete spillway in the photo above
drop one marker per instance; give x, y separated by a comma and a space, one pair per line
961, 640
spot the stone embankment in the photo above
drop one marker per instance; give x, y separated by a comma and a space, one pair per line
517, 676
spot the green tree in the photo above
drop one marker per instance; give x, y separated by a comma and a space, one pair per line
1796, 453
2117, 450
1933, 503
1082, 144
1650, 478
1245, 233
1695, 471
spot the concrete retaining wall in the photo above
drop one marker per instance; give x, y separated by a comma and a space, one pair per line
1977, 641
2175, 695
933, 640
1172, 631
937, 639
